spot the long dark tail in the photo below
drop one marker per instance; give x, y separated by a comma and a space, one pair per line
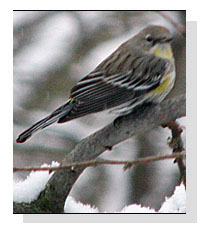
54, 117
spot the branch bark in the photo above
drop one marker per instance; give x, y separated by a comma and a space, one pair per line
52, 199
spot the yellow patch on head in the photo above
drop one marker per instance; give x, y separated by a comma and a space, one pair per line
163, 86
163, 52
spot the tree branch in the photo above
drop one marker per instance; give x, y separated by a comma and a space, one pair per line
143, 120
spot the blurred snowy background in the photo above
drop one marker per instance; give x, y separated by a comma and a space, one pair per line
52, 51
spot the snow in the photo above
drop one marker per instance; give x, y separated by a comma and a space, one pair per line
137, 209
29, 189
71, 206
176, 203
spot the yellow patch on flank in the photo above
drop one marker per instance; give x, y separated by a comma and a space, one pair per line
164, 85
163, 53
162, 29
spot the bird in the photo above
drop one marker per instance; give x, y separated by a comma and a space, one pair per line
141, 70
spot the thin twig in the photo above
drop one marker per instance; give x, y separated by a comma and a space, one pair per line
127, 164
176, 143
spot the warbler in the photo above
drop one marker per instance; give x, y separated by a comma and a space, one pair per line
141, 70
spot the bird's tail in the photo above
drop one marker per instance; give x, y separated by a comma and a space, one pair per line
54, 117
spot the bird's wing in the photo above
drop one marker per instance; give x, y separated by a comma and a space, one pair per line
99, 91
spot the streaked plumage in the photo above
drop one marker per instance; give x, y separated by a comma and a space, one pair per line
140, 70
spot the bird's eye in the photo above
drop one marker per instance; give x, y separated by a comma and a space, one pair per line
149, 38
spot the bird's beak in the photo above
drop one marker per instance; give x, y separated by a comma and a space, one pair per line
169, 39
166, 40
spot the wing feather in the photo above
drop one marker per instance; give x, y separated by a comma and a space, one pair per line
100, 90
